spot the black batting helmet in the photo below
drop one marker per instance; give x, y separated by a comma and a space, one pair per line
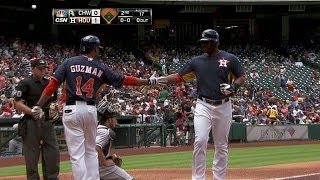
210, 35
88, 43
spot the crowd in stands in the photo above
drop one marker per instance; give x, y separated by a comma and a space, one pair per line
175, 104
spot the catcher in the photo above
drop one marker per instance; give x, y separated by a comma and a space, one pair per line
109, 164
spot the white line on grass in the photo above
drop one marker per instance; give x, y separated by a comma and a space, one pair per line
300, 176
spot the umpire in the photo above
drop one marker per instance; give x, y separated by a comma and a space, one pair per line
37, 134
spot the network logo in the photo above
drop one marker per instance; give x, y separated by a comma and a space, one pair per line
61, 13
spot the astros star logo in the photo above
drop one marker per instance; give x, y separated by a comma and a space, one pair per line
223, 62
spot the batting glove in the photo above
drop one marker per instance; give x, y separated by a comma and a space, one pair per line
227, 89
37, 112
153, 80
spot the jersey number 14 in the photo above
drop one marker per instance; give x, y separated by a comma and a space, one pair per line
87, 87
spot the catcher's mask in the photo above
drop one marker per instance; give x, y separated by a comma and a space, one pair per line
106, 110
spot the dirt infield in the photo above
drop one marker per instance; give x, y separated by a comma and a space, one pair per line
307, 170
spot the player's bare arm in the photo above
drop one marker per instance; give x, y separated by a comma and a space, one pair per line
134, 81
170, 79
239, 81
102, 158
23, 108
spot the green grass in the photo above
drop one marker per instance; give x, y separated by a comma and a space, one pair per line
65, 166
238, 158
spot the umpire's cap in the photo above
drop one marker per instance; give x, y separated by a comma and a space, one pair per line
38, 62
88, 43
210, 35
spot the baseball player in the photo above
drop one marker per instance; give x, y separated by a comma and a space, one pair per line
82, 77
219, 74
105, 135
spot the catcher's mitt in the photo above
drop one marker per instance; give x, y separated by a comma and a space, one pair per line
117, 160
53, 112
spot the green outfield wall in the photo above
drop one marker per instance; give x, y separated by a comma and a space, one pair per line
137, 135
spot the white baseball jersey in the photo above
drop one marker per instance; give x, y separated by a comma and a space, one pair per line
109, 172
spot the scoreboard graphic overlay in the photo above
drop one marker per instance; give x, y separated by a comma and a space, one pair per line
106, 16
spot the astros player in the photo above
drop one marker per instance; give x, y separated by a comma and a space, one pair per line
214, 71
82, 76
107, 115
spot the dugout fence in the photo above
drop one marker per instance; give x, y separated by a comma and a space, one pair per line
133, 134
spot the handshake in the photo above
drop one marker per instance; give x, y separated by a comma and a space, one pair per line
153, 80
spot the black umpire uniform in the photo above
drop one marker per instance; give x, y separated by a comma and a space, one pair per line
37, 135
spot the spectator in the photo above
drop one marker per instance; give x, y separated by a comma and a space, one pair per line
15, 144
16, 66
314, 75
282, 82
254, 74
298, 115
2, 80
290, 84
282, 70
272, 115
176, 60
5, 109
180, 127
278, 81
164, 94
3, 98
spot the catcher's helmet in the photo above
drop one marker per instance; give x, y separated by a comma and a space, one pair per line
89, 42
106, 109
210, 35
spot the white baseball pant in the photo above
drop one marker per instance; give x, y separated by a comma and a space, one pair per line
217, 118
80, 128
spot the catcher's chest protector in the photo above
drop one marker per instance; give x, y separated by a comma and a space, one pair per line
106, 148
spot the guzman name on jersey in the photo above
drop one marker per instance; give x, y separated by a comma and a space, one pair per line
86, 69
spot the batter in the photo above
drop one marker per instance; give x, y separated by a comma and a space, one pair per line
219, 74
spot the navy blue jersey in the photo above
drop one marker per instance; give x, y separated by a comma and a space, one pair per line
83, 78
211, 71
